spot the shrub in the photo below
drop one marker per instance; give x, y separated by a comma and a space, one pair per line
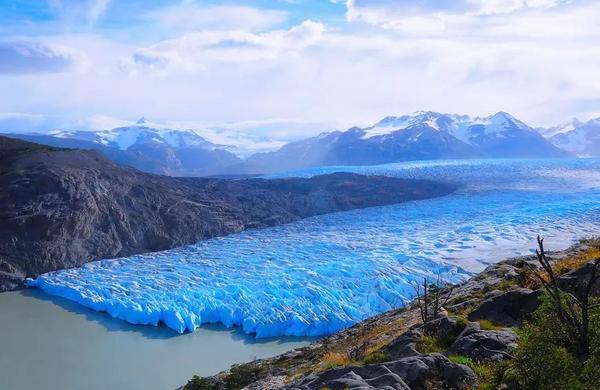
198, 383
546, 357
244, 374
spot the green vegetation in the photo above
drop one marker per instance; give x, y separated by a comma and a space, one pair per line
559, 348
238, 377
491, 375
461, 359
198, 383
549, 354
431, 344
489, 325
377, 357
506, 285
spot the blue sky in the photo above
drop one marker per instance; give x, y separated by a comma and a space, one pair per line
293, 67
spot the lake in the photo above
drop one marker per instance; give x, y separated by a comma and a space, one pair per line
52, 343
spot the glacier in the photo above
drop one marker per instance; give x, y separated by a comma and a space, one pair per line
322, 274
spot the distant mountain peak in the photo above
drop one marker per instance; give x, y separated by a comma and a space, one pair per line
578, 137
142, 121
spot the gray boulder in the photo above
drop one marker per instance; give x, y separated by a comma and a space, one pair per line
404, 346
443, 327
576, 281
484, 345
415, 372
509, 308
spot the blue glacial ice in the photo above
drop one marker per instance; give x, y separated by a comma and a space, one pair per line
323, 274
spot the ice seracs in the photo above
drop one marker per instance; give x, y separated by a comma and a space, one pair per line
320, 275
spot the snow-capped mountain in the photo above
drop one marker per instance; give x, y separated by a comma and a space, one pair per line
418, 136
579, 138
423, 135
141, 132
148, 147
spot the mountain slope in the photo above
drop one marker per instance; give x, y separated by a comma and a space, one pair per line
149, 149
579, 138
62, 208
422, 135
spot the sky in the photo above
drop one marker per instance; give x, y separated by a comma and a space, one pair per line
292, 68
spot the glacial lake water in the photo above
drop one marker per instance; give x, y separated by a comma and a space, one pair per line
55, 344
325, 273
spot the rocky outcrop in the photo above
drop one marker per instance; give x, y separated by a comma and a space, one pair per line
509, 308
62, 208
576, 281
484, 345
415, 372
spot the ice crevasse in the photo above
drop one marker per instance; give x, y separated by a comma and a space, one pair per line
323, 274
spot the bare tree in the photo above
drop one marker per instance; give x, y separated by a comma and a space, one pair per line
431, 298
358, 350
573, 311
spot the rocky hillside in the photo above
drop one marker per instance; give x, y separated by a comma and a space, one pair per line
467, 347
64, 207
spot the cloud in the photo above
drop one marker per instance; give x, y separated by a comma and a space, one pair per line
192, 16
24, 57
97, 9
538, 62
17, 122
385, 11
194, 51
76, 12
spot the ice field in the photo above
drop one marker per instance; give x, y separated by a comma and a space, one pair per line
325, 273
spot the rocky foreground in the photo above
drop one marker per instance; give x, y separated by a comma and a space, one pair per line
61, 208
462, 349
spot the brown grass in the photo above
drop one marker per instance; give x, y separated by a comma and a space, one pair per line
562, 266
335, 359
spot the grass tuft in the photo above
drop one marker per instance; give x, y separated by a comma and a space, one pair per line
377, 357
489, 325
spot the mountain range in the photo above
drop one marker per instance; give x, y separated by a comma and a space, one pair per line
420, 136
577, 137
423, 135
147, 147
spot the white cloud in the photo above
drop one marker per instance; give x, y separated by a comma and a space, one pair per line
384, 11
97, 10
194, 51
73, 12
193, 16
28, 57
539, 62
